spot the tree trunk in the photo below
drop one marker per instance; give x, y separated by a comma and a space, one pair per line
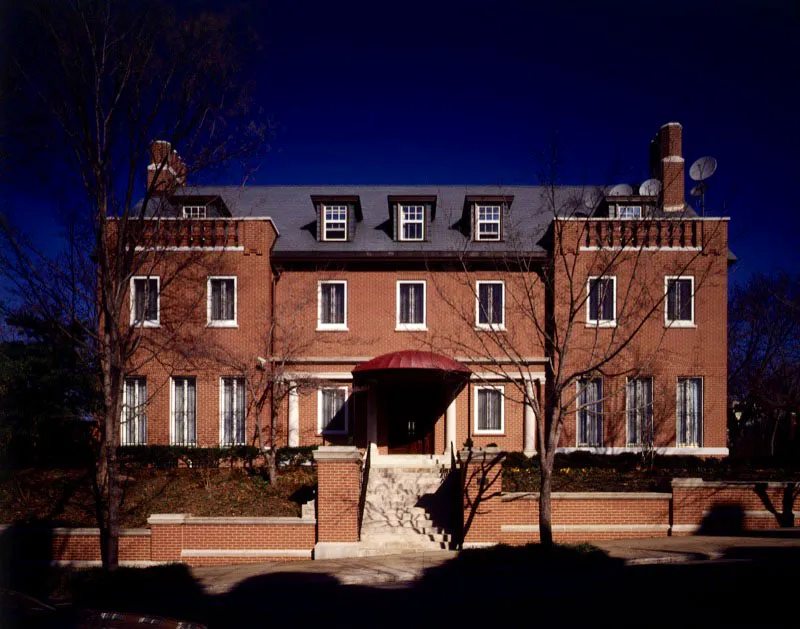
545, 526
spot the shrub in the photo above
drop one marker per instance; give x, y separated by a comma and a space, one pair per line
303, 455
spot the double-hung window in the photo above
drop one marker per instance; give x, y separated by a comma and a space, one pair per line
411, 305
639, 404
222, 302
489, 411
332, 411
679, 302
334, 222
601, 304
232, 410
412, 222
194, 211
630, 211
332, 305
590, 412
490, 306
145, 306
184, 411
133, 428
690, 413
487, 223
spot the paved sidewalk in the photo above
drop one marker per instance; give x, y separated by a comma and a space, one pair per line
396, 570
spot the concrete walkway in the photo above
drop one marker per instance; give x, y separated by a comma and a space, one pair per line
397, 570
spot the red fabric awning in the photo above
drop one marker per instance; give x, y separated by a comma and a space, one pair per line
412, 359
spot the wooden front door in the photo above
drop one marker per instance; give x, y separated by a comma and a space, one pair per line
411, 417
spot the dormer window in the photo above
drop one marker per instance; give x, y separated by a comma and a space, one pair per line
629, 211
194, 211
487, 224
412, 222
334, 222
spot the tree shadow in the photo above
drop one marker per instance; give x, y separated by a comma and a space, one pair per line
723, 519
784, 517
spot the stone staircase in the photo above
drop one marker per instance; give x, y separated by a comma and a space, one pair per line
407, 508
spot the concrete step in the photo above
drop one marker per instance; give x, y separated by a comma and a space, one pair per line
405, 535
396, 523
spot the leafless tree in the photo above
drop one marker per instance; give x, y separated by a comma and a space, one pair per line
93, 84
546, 308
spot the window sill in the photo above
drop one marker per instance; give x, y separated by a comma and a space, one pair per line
332, 328
411, 327
589, 445
491, 327
332, 433
222, 324
489, 433
146, 324
680, 324
601, 324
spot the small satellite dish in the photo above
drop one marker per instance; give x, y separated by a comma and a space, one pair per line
650, 188
698, 190
620, 190
703, 168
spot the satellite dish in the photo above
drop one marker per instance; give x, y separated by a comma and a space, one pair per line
703, 168
620, 190
650, 188
698, 190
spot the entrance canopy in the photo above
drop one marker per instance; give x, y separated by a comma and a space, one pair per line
413, 360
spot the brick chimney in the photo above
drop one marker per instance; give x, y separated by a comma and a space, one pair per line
166, 170
669, 169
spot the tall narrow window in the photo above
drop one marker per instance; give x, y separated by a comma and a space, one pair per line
590, 412
690, 412
639, 404
334, 222
410, 305
489, 410
232, 406
222, 301
332, 411
601, 306
133, 429
184, 411
145, 307
679, 301
412, 222
490, 305
487, 224
332, 307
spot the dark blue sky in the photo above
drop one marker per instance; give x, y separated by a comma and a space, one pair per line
463, 92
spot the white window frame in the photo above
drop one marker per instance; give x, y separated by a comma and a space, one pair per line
223, 323
325, 221
479, 222
476, 418
346, 430
147, 323
189, 211
677, 323
578, 409
410, 327
172, 440
141, 409
330, 327
600, 323
404, 221
498, 327
222, 410
636, 210
702, 412
642, 444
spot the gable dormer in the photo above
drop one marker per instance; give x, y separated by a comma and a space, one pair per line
199, 206
337, 217
487, 216
411, 217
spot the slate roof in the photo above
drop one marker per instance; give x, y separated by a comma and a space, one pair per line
293, 212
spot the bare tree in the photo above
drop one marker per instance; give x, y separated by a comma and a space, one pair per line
95, 82
547, 310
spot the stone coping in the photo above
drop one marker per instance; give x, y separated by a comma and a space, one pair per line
337, 453
732, 484
588, 495
186, 518
77, 531
479, 455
